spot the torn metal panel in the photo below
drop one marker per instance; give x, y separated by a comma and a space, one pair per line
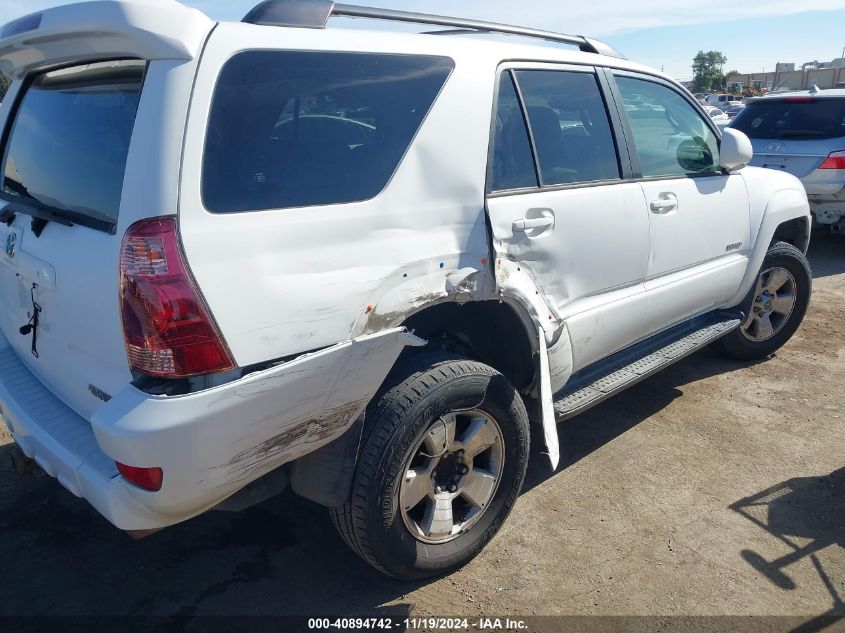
514, 280
546, 405
455, 282
247, 428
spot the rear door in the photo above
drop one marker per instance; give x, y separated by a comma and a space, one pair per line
699, 221
65, 152
559, 206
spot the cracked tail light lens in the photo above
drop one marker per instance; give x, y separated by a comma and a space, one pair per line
145, 478
167, 328
836, 160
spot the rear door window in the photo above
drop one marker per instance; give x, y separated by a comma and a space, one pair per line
513, 162
569, 125
296, 129
69, 141
798, 118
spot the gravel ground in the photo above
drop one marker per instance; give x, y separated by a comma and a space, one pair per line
715, 488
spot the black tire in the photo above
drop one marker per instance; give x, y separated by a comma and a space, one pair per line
737, 344
425, 387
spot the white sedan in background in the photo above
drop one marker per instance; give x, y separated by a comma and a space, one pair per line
717, 115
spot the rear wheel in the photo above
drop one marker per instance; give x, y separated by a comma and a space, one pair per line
778, 305
443, 458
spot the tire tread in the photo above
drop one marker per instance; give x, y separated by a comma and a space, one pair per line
405, 387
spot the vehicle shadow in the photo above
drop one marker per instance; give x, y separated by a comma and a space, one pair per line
808, 515
281, 557
600, 425
826, 254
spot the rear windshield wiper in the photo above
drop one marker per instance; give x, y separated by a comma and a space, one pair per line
43, 213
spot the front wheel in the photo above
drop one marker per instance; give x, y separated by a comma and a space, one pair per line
442, 461
778, 306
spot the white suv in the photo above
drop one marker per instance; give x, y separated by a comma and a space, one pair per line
364, 264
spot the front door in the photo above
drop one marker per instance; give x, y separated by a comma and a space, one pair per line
698, 214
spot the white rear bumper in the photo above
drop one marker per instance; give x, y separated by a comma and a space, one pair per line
209, 444
63, 444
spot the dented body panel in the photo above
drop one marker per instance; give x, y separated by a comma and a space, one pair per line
328, 273
212, 443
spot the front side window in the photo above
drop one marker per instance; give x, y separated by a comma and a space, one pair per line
672, 138
570, 126
295, 129
69, 142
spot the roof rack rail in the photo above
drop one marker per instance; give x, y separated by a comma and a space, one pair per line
316, 13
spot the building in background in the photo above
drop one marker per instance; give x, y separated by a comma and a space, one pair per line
787, 77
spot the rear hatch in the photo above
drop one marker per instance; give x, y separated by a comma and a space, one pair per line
90, 143
64, 159
796, 135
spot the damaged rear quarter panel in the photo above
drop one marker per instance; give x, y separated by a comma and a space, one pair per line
211, 443
281, 281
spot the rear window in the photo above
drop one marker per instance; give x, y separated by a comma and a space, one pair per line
803, 118
69, 141
295, 129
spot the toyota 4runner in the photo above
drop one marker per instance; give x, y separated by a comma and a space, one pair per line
364, 264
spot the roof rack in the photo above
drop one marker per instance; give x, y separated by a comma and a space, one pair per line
315, 14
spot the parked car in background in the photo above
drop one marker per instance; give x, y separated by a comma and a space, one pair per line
716, 114
721, 101
803, 133
734, 109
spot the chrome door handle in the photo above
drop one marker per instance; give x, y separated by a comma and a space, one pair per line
525, 224
667, 202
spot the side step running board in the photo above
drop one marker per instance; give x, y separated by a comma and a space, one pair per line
595, 384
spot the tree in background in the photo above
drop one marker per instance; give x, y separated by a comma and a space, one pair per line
707, 70
4, 85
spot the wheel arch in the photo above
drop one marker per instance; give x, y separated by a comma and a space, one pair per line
475, 329
786, 213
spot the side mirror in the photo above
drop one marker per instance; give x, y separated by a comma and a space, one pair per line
736, 151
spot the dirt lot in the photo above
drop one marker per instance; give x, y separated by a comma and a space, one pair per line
715, 488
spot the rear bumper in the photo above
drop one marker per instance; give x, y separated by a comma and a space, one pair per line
63, 444
828, 211
209, 444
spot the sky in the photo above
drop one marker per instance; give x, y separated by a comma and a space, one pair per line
753, 34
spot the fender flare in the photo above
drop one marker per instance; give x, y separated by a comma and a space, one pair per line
783, 205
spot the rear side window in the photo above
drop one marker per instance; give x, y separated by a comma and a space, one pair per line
801, 118
513, 163
70, 139
295, 129
569, 125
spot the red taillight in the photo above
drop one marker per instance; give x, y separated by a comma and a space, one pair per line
167, 328
799, 100
146, 478
836, 160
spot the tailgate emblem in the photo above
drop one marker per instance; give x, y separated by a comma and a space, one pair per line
775, 147
10, 245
